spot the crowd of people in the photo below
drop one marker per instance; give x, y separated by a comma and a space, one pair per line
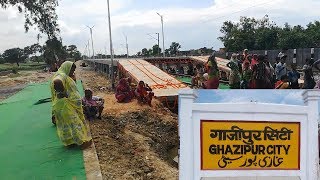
69, 110
126, 91
249, 71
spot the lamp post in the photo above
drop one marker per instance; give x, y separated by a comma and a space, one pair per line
89, 49
91, 40
85, 52
111, 47
127, 46
162, 34
158, 44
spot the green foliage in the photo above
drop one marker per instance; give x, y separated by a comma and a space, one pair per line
167, 52
40, 13
260, 34
37, 59
73, 52
23, 67
49, 53
53, 51
14, 55
206, 50
174, 48
156, 50
15, 70
145, 52
2, 61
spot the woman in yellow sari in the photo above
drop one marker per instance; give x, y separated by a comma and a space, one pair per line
67, 110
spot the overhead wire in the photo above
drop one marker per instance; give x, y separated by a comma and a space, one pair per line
242, 10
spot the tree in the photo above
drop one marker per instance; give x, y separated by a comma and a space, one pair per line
145, 52
74, 53
77, 56
32, 51
167, 52
36, 48
27, 51
38, 12
54, 49
261, 34
313, 32
14, 55
149, 52
1, 59
156, 50
174, 48
206, 50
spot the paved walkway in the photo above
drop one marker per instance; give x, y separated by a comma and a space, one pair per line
30, 148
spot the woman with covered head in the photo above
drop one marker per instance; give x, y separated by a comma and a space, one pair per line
234, 78
124, 92
144, 93
67, 109
260, 74
213, 73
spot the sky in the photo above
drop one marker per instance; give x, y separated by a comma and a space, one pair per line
291, 97
192, 23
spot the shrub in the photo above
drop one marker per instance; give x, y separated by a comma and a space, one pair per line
15, 70
2, 61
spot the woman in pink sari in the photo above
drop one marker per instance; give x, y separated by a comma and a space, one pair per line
213, 74
124, 93
254, 60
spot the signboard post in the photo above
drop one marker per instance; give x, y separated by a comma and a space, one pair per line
248, 140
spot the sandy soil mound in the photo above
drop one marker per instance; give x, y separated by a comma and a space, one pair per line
132, 141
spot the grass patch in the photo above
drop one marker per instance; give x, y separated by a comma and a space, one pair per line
23, 66
14, 75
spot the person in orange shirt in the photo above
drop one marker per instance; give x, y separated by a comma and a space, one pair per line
144, 93
283, 83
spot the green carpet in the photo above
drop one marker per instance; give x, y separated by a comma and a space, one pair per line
30, 148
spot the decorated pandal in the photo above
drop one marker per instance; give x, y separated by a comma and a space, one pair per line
163, 84
183, 61
222, 63
152, 72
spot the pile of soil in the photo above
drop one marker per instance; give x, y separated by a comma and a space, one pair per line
132, 141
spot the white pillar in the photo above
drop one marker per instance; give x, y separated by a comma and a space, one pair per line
186, 134
311, 99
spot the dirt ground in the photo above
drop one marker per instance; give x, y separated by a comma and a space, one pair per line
132, 141
12, 83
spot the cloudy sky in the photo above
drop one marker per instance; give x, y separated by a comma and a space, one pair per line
192, 23
292, 97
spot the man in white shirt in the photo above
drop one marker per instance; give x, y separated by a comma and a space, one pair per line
281, 66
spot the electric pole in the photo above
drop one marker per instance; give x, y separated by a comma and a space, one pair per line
162, 35
111, 47
92, 40
127, 46
89, 50
158, 44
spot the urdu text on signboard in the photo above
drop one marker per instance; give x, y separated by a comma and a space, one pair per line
246, 145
